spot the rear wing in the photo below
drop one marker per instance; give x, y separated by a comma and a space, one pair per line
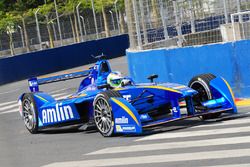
35, 82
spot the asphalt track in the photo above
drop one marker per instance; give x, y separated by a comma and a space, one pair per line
220, 142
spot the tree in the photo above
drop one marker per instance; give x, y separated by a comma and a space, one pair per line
45, 10
7, 25
21, 9
102, 6
121, 11
69, 8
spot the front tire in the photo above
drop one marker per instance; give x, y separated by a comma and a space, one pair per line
200, 83
103, 115
30, 114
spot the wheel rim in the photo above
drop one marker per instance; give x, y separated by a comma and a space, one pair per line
103, 115
28, 114
202, 96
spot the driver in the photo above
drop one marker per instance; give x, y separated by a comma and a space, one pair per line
116, 80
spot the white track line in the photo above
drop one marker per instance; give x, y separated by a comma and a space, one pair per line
7, 103
234, 165
174, 145
164, 158
226, 122
9, 111
9, 107
11, 91
172, 135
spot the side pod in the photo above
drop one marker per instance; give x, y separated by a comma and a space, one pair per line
221, 88
126, 117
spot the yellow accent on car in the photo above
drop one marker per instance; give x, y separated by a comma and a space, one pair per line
162, 88
119, 88
230, 89
126, 109
43, 99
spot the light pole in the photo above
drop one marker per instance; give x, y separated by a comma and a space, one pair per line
178, 24
93, 10
137, 26
113, 22
225, 11
58, 23
163, 18
54, 29
84, 27
21, 32
238, 3
79, 21
38, 29
190, 3
117, 17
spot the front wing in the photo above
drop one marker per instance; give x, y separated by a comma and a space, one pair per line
127, 119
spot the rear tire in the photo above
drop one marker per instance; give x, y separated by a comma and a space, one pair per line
103, 115
30, 114
200, 83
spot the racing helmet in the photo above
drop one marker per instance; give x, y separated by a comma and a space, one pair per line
114, 79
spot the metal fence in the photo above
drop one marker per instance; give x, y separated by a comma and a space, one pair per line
178, 23
74, 28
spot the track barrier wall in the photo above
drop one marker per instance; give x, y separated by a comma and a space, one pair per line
57, 59
229, 60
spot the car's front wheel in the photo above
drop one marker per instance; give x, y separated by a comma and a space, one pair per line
103, 115
200, 83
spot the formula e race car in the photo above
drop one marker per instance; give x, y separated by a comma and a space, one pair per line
129, 108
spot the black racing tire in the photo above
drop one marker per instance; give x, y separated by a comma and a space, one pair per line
201, 84
103, 115
30, 113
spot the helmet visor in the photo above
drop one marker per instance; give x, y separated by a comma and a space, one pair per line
116, 82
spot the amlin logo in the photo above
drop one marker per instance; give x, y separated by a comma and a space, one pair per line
122, 120
58, 114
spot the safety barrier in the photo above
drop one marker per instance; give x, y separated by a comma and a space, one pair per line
53, 60
229, 60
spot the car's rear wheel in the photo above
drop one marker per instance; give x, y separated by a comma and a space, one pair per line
103, 115
200, 83
30, 114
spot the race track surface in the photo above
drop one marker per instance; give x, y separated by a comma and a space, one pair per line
219, 142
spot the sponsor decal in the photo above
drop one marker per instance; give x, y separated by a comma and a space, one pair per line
145, 117
174, 109
127, 97
57, 114
33, 83
125, 128
118, 128
122, 120
128, 128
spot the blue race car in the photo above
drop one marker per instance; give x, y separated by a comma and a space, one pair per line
115, 104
